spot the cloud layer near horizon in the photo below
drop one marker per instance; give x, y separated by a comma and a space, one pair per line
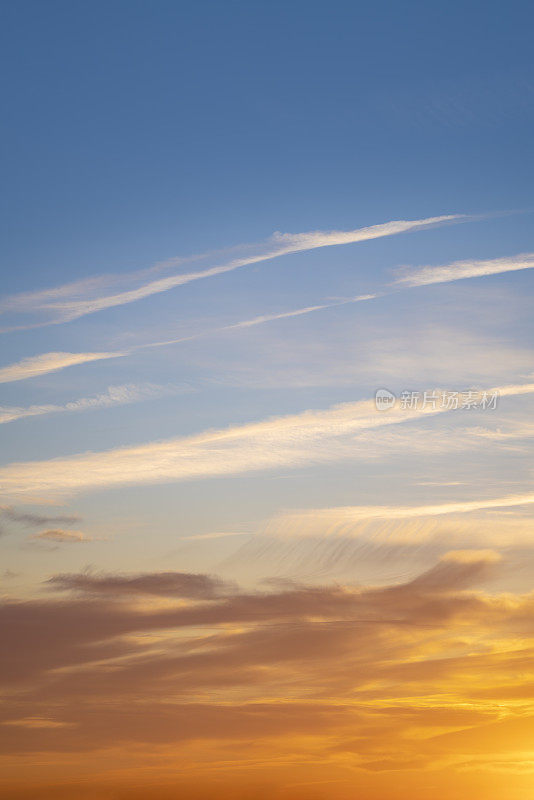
186, 669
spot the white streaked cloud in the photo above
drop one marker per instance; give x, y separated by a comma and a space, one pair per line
422, 441
299, 312
347, 520
69, 302
383, 355
48, 362
259, 320
299, 439
53, 362
113, 396
421, 276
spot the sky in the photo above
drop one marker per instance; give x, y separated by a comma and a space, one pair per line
227, 570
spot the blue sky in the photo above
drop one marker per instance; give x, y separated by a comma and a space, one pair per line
136, 136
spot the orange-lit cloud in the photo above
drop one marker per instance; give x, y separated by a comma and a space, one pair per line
222, 689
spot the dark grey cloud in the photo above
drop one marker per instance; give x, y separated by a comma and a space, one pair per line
36, 520
95, 622
166, 584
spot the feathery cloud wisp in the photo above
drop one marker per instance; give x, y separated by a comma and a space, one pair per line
458, 270
113, 396
259, 320
306, 438
48, 362
344, 520
67, 303
53, 362
420, 276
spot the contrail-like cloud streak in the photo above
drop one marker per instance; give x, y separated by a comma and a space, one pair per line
69, 302
113, 396
420, 276
53, 362
48, 362
459, 270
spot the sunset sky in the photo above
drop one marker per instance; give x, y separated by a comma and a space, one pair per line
227, 572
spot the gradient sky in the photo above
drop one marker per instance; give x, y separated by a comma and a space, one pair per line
225, 573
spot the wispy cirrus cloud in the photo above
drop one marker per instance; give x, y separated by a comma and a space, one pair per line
299, 439
299, 545
113, 396
72, 301
48, 362
260, 320
459, 270
343, 520
45, 363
